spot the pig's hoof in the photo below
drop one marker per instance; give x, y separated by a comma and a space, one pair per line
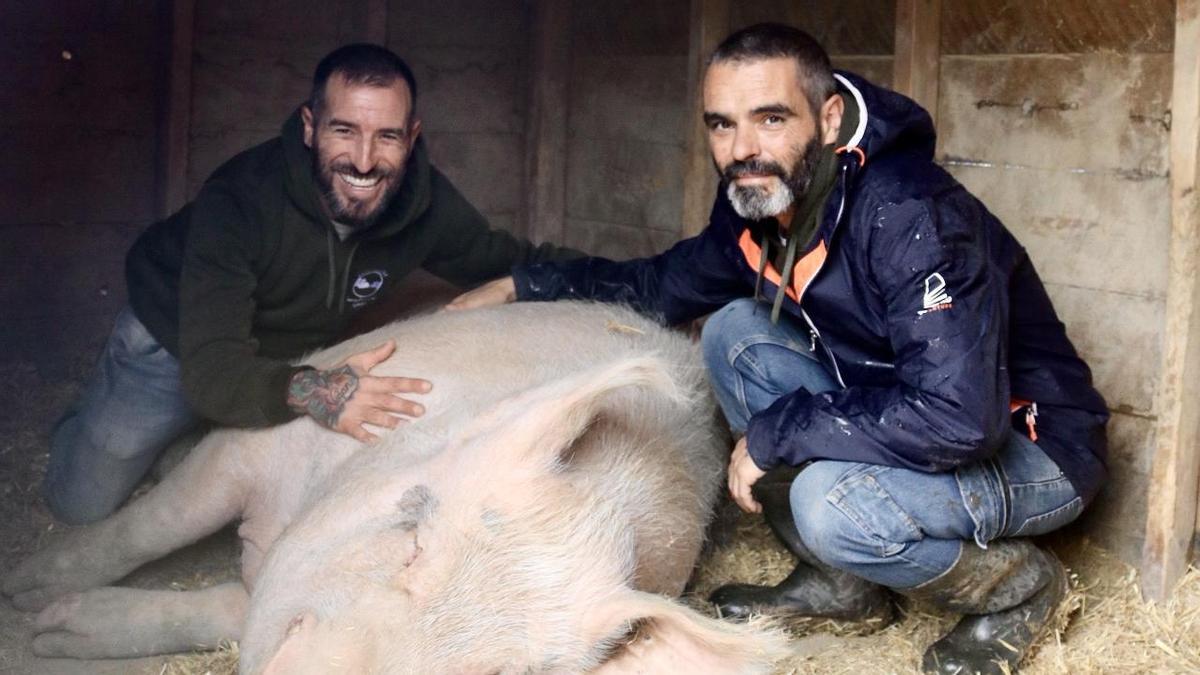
37, 599
80, 626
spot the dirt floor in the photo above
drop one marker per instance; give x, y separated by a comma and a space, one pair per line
1110, 630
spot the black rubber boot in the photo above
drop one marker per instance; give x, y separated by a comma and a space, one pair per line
813, 588
1009, 593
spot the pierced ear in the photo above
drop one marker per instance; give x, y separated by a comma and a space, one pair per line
671, 638
542, 423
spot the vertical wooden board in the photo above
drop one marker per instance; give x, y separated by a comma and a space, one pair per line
1116, 518
709, 24
376, 19
917, 56
1171, 517
175, 108
545, 168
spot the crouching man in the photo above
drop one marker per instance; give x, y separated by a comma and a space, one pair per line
878, 328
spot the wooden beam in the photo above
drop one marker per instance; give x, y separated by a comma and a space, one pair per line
546, 130
710, 24
175, 116
1171, 509
377, 21
918, 51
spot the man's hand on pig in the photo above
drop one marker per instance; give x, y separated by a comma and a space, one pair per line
345, 397
498, 292
743, 474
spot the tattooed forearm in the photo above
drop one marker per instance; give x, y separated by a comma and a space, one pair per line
322, 394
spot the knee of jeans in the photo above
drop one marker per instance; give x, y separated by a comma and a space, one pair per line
845, 516
68, 506
724, 328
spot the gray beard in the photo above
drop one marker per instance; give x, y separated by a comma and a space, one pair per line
756, 202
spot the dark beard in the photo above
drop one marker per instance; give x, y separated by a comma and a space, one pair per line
798, 180
353, 215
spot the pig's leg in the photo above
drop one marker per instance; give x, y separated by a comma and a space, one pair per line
124, 622
206, 491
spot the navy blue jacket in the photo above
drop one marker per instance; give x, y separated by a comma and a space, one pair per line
931, 314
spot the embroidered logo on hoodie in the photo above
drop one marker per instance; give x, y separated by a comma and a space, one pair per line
936, 297
366, 287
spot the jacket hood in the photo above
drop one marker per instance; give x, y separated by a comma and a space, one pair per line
887, 121
301, 185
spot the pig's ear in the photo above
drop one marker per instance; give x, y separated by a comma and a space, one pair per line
543, 422
669, 637
292, 655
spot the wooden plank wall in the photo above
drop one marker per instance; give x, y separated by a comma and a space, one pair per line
77, 183
1056, 115
1172, 507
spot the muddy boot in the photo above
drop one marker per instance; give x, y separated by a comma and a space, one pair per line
813, 588
1009, 593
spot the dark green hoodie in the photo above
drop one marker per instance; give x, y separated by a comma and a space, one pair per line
250, 274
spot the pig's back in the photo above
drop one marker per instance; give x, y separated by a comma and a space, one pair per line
477, 358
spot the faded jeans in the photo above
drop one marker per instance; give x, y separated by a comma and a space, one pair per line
130, 410
893, 526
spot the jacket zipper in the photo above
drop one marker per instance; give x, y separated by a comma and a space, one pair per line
812, 327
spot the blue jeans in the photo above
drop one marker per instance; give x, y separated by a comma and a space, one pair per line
893, 526
132, 407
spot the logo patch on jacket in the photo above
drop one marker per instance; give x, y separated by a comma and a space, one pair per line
365, 287
936, 298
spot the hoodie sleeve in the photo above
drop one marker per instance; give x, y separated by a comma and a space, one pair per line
946, 310
223, 377
468, 251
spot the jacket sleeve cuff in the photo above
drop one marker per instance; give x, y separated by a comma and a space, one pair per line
760, 446
275, 408
529, 282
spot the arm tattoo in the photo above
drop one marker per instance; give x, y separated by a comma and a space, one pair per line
322, 394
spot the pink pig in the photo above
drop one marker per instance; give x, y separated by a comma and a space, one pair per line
537, 519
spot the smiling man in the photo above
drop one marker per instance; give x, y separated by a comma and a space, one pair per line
908, 405
279, 250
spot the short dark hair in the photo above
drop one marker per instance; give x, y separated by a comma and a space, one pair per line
776, 40
361, 63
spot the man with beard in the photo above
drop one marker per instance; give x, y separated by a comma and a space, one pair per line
283, 245
877, 328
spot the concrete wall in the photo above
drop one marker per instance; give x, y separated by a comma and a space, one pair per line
1056, 116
